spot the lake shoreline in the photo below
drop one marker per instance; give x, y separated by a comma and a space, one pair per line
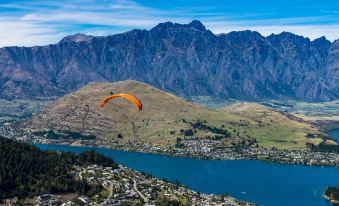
331, 200
334, 134
208, 149
234, 155
242, 179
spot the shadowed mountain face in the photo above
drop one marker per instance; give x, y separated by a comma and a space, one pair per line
185, 59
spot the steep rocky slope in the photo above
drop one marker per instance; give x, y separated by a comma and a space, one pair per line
186, 59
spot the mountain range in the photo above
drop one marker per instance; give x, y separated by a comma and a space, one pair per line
185, 59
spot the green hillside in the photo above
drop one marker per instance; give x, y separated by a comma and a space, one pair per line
166, 117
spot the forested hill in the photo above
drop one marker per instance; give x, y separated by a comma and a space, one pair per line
26, 170
332, 193
185, 59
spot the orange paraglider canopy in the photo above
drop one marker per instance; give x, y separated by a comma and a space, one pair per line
131, 98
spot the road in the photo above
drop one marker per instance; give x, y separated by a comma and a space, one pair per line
80, 175
136, 189
110, 190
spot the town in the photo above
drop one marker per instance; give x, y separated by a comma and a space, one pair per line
123, 186
195, 148
211, 149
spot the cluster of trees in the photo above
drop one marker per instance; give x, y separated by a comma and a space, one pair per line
323, 147
244, 143
310, 135
332, 193
179, 143
26, 170
202, 126
187, 132
165, 201
64, 135
216, 137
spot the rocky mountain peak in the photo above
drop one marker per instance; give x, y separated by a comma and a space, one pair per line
197, 25
245, 35
164, 26
321, 39
77, 38
194, 25
322, 44
290, 37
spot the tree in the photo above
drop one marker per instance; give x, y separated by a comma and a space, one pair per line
26, 170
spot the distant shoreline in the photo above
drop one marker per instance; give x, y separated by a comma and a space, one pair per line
331, 200
238, 156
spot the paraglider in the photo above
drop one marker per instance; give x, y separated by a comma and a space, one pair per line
129, 97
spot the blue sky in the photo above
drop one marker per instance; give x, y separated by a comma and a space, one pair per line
40, 22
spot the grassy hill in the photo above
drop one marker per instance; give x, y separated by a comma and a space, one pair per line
165, 117
273, 128
323, 114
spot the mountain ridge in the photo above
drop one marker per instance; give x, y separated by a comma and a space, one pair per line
185, 59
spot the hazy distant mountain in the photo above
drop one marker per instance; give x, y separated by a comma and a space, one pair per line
185, 59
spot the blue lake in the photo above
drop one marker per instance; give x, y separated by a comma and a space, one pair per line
257, 181
334, 134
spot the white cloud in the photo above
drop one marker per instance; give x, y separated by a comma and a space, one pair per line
18, 33
331, 32
115, 19
48, 21
45, 22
